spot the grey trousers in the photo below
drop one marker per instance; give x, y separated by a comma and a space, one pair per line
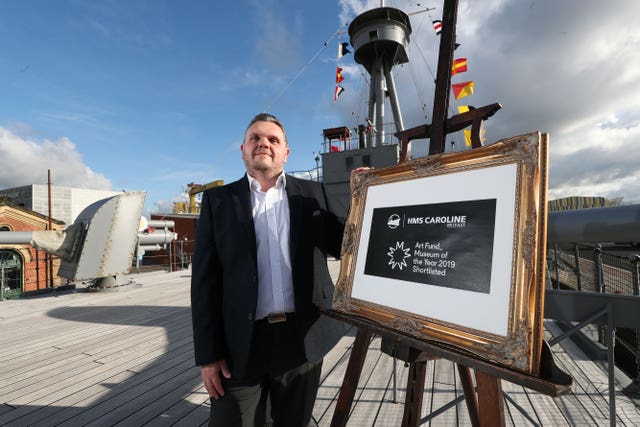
277, 370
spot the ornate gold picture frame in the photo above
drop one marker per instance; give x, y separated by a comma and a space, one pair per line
452, 248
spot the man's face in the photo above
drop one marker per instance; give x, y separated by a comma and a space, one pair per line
264, 149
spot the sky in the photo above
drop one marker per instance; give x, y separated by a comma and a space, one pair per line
151, 95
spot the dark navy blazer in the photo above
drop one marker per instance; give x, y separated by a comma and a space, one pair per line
224, 283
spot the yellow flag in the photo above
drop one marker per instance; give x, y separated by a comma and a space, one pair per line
460, 90
463, 109
467, 137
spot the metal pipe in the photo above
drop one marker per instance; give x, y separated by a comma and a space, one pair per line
617, 224
579, 326
49, 257
393, 98
150, 247
635, 262
170, 258
161, 237
597, 257
161, 223
555, 256
611, 343
576, 254
138, 255
16, 237
379, 122
37, 269
372, 110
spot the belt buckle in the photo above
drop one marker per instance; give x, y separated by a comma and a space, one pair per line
276, 318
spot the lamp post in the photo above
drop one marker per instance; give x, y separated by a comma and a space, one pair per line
171, 253
182, 242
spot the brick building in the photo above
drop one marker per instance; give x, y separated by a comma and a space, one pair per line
25, 268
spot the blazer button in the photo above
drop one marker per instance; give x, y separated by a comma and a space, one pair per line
250, 316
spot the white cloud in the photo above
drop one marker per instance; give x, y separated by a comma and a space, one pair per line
25, 161
349, 9
556, 67
162, 206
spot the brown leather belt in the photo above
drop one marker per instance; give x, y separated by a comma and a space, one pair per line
277, 318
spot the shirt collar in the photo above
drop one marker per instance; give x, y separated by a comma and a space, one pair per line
281, 182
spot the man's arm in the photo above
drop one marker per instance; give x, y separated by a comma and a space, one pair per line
206, 301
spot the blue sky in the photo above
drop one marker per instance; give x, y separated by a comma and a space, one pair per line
153, 95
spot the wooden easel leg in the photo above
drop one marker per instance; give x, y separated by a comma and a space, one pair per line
469, 394
415, 392
490, 400
351, 377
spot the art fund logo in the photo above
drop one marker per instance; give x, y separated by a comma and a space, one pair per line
394, 221
398, 256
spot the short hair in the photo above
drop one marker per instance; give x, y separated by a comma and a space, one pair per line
266, 117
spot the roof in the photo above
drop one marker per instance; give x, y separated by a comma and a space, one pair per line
5, 201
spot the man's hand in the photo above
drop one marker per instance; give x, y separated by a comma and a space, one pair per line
211, 377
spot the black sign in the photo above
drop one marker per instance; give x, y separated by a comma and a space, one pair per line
442, 244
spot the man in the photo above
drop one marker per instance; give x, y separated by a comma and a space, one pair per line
258, 265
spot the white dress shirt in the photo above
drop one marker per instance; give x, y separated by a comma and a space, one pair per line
270, 211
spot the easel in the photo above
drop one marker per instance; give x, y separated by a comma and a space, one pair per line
486, 405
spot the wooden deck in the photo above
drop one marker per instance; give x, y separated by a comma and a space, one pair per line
124, 357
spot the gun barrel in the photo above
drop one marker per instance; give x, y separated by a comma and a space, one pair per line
619, 224
161, 237
16, 237
161, 223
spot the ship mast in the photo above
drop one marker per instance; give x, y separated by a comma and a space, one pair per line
380, 38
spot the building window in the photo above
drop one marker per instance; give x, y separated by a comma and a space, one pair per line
366, 160
4, 228
11, 265
349, 164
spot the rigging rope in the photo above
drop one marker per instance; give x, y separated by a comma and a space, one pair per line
304, 67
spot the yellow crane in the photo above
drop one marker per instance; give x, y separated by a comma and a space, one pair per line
193, 189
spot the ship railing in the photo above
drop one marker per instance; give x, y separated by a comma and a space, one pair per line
604, 269
355, 142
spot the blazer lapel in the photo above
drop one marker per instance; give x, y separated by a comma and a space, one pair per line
241, 197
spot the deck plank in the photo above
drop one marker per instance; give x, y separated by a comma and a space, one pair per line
357, 416
372, 387
443, 390
367, 368
95, 397
193, 406
390, 410
126, 357
334, 367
